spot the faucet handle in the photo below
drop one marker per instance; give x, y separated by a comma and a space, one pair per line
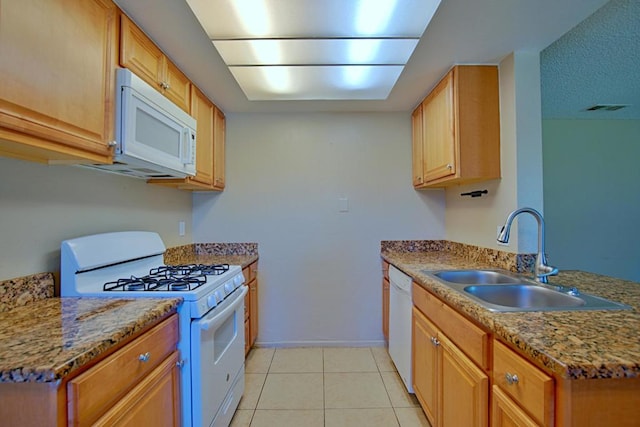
547, 270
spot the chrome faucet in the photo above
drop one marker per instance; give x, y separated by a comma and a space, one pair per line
541, 270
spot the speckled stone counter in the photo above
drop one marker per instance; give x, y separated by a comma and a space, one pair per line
25, 290
567, 344
48, 339
241, 254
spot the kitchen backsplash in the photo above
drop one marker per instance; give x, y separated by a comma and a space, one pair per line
174, 255
25, 290
506, 260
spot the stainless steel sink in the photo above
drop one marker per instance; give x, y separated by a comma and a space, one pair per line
499, 290
475, 277
523, 296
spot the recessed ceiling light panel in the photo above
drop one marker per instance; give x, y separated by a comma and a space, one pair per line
237, 19
316, 51
311, 49
317, 82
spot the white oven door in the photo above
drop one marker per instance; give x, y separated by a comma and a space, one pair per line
217, 356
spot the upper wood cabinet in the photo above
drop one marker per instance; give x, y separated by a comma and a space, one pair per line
416, 144
219, 150
460, 129
57, 64
139, 54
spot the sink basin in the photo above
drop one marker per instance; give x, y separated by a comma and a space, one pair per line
475, 277
500, 290
524, 296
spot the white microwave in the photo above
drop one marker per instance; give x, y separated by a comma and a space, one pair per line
154, 137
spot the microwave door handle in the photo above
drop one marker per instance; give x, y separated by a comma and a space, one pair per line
188, 146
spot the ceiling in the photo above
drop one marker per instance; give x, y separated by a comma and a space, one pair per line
461, 31
596, 63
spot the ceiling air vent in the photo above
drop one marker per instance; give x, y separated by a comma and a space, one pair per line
606, 107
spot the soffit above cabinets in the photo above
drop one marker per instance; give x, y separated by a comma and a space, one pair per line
315, 50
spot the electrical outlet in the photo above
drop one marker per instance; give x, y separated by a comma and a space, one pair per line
181, 228
498, 230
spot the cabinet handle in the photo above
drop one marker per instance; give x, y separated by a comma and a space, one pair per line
511, 378
449, 166
435, 341
144, 357
180, 363
112, 144
164, 85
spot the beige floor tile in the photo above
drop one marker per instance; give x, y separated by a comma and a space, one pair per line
288, 360
242, 418
292, 391
383, 360
411, 417
377, 417
355, 390
349, 359
258, 360
288, 418
400, 397
253, 384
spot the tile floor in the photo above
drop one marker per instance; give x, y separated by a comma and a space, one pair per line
325, 387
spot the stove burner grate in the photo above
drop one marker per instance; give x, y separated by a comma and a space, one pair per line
177, 278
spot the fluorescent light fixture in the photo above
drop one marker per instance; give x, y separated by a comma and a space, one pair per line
328, 82
316, 51
311, 49
374, 16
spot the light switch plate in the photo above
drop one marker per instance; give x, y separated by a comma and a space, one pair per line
343, 203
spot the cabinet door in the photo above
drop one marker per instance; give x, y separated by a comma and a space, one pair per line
253, 314
203, 111
439, 131
57, 62
218, 150
465, 389
177, 86
425, 364
139, 54
417, 146
385, 309
155, 401
506, 413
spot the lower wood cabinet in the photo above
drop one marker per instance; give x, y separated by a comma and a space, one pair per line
526, 386
505, 412
137, 385
251, 305
452, 390
385, 300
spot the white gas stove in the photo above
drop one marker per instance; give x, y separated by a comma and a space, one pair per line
130, 265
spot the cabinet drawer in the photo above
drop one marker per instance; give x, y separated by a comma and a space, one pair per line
472, 340
91, 393
533, 389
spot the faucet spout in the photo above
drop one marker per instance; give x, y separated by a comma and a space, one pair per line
541, 269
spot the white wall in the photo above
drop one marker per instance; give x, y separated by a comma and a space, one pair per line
592, 195
319, 268
42, 205
474, 220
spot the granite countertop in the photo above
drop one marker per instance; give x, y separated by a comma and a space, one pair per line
241, 254
568, 344
48, 339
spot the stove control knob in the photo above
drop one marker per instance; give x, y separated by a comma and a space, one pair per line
229, 287
211, 301
219, 296
238, 280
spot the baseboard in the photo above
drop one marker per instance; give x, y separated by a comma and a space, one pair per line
320, 343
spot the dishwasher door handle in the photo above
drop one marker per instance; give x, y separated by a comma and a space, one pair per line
399, 289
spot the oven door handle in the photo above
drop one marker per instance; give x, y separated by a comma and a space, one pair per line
218, 318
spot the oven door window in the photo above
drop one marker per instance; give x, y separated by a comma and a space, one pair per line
223, 337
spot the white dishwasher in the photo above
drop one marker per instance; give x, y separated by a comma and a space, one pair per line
400, 306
